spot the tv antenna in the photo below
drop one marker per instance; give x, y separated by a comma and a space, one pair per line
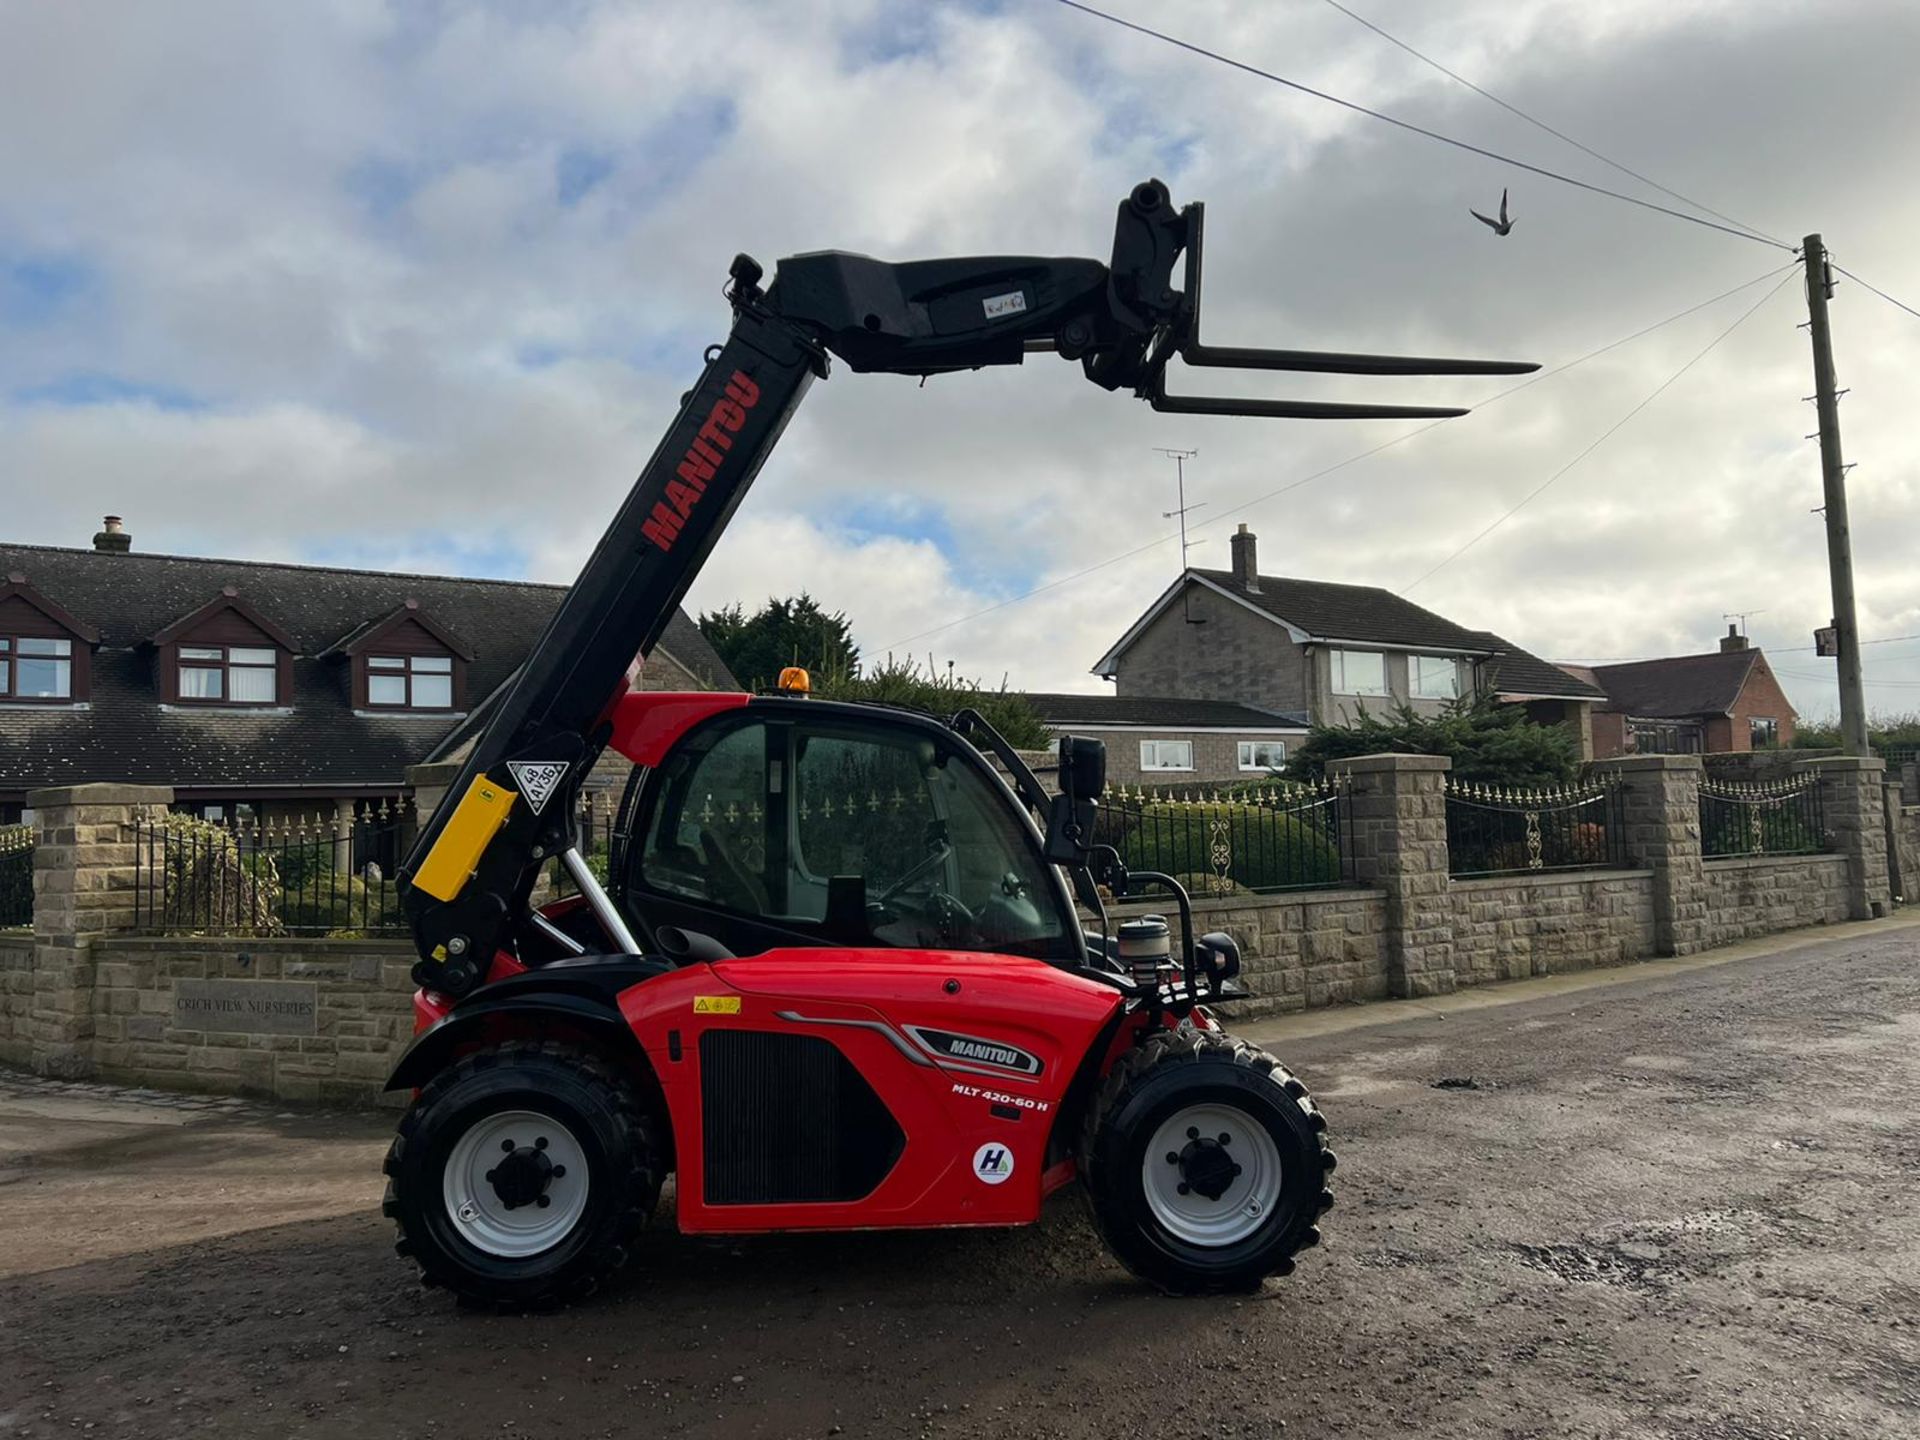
1741, 616
1180, 458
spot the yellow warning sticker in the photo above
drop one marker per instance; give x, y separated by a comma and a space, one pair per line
716, 1004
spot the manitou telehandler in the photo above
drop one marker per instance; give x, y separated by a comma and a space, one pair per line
837, 979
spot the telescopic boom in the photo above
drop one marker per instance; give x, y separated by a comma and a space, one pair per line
467, 882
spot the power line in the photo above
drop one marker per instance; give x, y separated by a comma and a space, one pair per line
1878, 291
1542, 125
1408, 125
1606, 435
1321, 474
1771, 650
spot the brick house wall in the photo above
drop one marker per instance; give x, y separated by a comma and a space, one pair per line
1216, 757
1760, 697
1225, 652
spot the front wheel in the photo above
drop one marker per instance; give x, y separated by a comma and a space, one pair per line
522, 1175
1204, 1162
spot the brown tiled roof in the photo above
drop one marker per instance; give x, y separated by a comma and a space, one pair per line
1350, 612
1093, 711
1679, 686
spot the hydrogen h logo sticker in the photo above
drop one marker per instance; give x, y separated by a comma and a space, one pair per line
538, 779
992, 1163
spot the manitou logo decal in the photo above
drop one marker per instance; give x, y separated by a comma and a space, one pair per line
974, 1051
992, 1164
702, 459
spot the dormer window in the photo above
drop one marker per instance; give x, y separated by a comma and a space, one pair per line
33, 668
410, 682
405, 663
45, 652
240, 674
225, 653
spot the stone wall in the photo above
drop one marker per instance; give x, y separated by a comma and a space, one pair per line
323, 1020
16, 997
1297, 952
315, 1021
1746, 898
1511, 927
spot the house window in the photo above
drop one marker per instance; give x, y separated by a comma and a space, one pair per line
1665, 737
1763, 732
1435, 677
1262, 754
35, 669
236, 674
1166, 755
1359, 672
410, 682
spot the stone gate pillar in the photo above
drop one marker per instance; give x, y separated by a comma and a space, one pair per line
1853, 797
1398, 809
1661, 809
84, 877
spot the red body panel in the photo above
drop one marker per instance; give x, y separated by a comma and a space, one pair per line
646, 724
865, 1002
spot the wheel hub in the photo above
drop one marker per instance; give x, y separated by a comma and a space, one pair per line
516, 1183
523, 1175
1206, 1167
1211, 1174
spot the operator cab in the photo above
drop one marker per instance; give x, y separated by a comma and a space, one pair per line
801, 822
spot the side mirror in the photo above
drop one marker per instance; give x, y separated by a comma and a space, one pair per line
1069, 830
1083, 767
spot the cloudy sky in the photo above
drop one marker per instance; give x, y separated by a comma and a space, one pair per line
416, 285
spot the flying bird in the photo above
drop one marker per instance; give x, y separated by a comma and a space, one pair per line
1500, 226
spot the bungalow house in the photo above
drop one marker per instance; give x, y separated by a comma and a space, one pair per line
1176, 742
258, 690
1727, 700
1323, 652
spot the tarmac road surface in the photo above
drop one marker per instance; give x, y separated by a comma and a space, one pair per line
1671, 1201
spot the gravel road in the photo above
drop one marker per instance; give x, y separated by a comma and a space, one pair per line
1679, 1205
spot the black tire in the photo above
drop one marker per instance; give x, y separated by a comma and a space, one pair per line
604, 1121
1168, 1074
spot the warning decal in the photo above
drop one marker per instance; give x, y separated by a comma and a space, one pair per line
538, 779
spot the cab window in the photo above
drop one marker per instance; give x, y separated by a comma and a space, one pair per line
838, 831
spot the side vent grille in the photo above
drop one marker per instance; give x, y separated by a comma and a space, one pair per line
787, 1119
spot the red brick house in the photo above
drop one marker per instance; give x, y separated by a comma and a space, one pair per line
1727, 700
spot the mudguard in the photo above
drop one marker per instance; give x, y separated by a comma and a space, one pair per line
580, 993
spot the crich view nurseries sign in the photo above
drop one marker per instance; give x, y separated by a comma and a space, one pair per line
251, 1007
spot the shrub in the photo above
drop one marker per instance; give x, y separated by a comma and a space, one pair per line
333, 903
206, 883
905, 684
1489, 743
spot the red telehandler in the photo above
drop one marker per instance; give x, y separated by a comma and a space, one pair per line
837, 979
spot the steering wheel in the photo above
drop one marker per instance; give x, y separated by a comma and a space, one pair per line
936, 856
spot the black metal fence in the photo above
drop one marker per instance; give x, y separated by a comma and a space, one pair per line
16, 876
281, 875
1264, 838
1777, 817
1499, 830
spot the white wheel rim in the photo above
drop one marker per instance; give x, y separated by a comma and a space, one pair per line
1250, 1196
483, 1216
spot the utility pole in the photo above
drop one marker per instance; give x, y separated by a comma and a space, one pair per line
1833, 474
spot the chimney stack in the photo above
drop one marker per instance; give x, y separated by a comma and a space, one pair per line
1732, 640
1246, 567
112, 539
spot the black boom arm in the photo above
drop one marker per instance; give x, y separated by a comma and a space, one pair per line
467, 882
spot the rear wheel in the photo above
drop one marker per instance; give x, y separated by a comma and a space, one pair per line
522, 1174
1204, 1162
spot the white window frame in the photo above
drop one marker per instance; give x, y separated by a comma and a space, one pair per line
1419, 666
1337, 673
1249, 753
1151, 748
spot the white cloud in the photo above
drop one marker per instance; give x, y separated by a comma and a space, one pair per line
341, 232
